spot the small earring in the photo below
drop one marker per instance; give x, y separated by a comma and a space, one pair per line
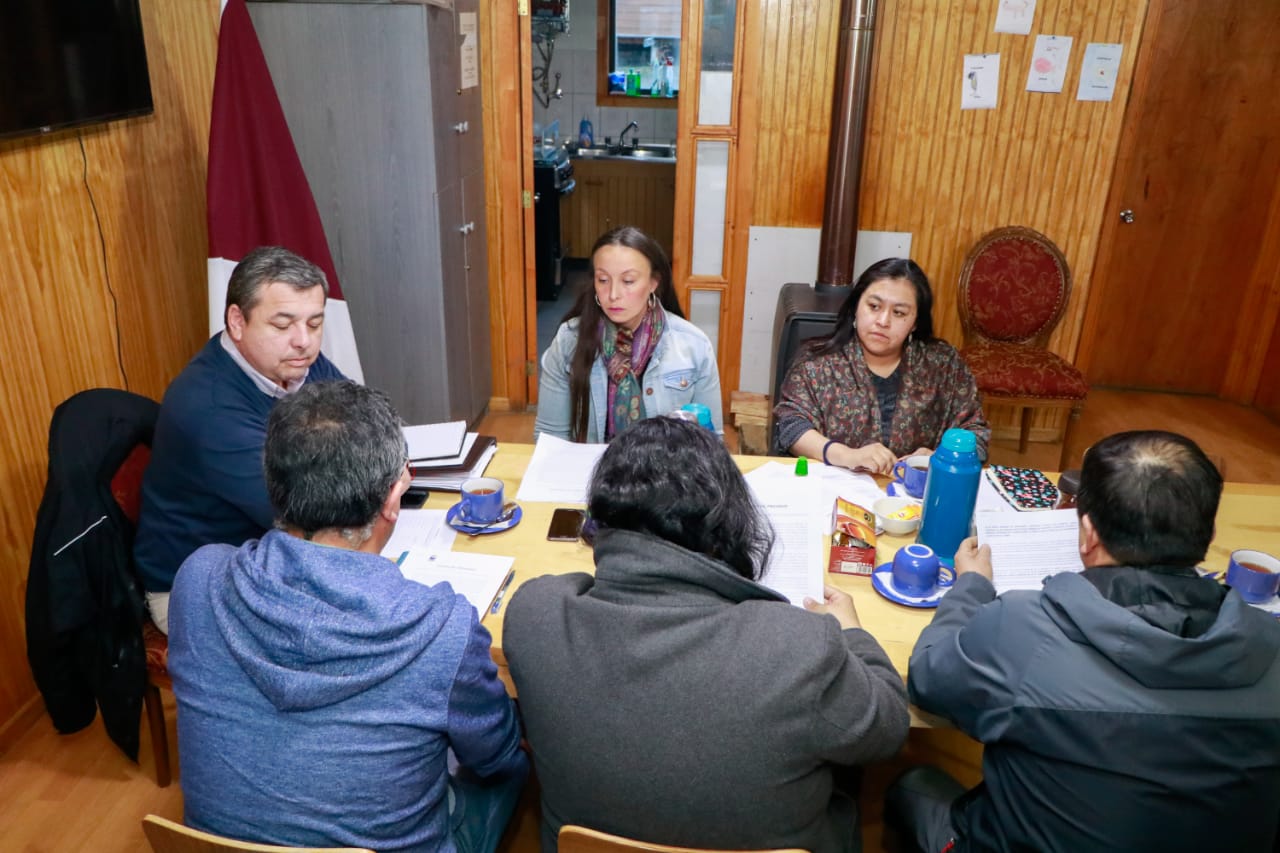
653, 299
598, 305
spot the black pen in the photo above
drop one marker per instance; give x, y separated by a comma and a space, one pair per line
502, 590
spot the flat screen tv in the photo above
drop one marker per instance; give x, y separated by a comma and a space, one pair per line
65, 63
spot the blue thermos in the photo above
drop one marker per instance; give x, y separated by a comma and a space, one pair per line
950, 493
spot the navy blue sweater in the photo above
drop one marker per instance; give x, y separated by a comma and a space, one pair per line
205, 483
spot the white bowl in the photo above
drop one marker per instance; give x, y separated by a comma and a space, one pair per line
885, 507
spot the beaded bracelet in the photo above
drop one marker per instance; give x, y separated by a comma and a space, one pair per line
825, 448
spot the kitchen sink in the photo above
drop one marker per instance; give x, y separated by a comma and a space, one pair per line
626, 152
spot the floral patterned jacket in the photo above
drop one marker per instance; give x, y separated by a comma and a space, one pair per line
835, 395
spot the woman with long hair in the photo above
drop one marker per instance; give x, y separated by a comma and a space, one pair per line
674, 698
625, 351
881, 387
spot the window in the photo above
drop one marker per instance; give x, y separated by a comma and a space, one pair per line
639, 48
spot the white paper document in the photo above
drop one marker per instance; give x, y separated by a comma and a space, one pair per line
435, 441
1099, 71
828, 482
1015, 16
981, 84
478, 577
795, 564
469, 56
1027, 547
1049, 64
559, 471
419, 528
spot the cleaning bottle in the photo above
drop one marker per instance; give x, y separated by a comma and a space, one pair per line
950, 493
586, 137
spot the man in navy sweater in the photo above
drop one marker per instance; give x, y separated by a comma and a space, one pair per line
204, 483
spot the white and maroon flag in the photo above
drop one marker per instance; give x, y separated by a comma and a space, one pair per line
258, 194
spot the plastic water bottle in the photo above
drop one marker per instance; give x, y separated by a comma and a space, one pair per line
701, 413
950, 493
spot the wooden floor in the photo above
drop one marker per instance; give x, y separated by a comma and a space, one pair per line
78, 792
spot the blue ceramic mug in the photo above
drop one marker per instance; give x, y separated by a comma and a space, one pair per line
481, 500
918, 572
911, 474
1255, 575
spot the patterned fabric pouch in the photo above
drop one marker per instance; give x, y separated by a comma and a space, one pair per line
1024, 488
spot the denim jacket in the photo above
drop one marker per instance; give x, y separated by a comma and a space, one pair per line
681, 370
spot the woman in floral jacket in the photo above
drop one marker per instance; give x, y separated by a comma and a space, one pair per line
882, 386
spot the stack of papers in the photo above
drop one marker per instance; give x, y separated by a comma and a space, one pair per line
449, 473
435, 441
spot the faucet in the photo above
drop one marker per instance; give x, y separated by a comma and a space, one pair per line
622, 136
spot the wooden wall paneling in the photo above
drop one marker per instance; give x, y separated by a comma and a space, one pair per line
948, 176
58, 320
793, 63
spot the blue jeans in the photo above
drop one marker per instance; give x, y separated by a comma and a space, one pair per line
479, 809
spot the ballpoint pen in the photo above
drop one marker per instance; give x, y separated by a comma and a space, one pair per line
502, 590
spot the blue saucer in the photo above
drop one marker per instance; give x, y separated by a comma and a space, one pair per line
882, 582
473, 528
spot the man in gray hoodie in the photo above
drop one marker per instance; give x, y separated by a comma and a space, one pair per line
1132, 706
322, 697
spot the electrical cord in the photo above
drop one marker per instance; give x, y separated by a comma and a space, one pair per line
106, 271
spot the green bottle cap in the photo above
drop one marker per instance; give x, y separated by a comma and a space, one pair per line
802, 467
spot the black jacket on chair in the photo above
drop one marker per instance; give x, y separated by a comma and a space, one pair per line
84, 605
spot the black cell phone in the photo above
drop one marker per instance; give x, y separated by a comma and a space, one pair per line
414, 497
566, 525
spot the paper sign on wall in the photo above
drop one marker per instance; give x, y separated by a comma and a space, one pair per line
1049, 64
1098, 72
1015, 16
469, 55
981, 81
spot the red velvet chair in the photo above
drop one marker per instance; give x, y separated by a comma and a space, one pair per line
126, 488
1014, 288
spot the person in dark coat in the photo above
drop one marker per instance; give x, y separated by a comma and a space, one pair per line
84, 604
672, 698
1131, 706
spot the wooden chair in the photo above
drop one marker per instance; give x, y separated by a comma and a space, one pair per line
1014, 288
165, 836
579, 839
126, 487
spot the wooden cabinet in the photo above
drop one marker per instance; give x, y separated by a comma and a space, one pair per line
611, 193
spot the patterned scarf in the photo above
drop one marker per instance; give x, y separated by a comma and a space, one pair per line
626, 354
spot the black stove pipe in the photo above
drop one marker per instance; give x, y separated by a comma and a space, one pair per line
844, 157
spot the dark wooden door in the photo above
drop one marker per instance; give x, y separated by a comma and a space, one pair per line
1199, 163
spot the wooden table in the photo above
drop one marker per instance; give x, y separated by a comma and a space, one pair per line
1249, 517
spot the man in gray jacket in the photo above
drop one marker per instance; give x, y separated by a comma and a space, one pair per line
1132, 706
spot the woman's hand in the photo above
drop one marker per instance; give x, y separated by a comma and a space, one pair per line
919, 451
874, 457
838, 604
